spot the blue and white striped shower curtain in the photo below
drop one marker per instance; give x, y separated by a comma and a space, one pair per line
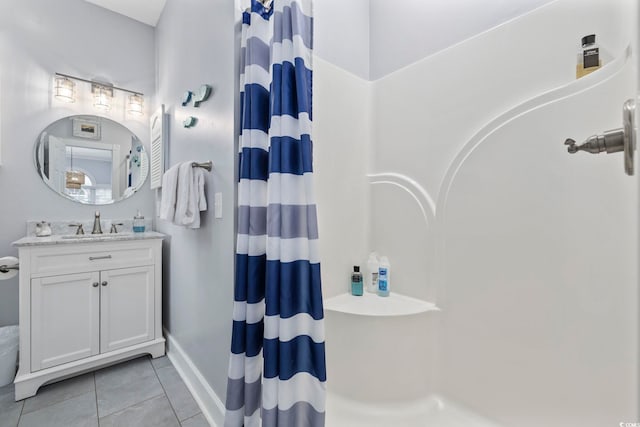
277, 371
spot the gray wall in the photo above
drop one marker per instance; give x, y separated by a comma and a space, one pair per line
38, 38
341, 34
378, 37
196, 45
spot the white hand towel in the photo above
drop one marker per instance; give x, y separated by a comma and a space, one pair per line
197, 198
199, 178
169, 189
184, 209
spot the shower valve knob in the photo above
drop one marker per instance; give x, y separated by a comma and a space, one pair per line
613, 141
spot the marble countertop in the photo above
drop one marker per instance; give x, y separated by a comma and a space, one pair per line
61, 239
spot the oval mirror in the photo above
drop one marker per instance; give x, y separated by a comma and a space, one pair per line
91, 159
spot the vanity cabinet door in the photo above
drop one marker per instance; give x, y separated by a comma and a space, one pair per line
126, 307
64, 319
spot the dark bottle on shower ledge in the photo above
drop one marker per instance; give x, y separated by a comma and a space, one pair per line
589, 58
356, 282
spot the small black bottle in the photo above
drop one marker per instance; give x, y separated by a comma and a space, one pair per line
588, 57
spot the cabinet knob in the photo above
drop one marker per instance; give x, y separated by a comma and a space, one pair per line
95, 284
105, 283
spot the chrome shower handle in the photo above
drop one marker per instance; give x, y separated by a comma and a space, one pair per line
613, 141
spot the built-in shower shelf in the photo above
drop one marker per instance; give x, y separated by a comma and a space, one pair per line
372, 305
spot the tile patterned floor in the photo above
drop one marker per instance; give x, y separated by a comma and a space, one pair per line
142, 392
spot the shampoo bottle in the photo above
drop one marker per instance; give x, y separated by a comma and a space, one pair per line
384, 277
371, 281
589, 58
356, 281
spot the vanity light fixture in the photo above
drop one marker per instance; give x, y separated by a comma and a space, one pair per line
64, 89
135, 104
102, 93
73, 179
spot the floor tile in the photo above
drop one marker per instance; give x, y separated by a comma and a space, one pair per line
124, 373
115, 395
9, 388
79, 411
155, 412
9, 409
177, 392
197, 421
56, 393
161, 362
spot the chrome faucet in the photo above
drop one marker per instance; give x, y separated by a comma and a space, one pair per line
97, 229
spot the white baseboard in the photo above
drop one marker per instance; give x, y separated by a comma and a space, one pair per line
207, 399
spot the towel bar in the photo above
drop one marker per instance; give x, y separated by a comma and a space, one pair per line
206, 165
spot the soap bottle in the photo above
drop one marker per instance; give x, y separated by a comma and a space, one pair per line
371, 281
384, 277
138, 223
356, 281
588, 56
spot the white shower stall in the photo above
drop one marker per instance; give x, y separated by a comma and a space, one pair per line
514, 263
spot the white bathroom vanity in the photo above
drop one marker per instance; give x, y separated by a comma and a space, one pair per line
87, 302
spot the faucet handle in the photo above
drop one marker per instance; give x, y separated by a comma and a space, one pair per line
80, 230
114, 229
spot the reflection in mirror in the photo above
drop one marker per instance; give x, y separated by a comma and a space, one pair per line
91, 159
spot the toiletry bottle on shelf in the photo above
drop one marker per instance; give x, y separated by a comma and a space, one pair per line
371, 281
356, 281
138, 223
384, 277
588, 56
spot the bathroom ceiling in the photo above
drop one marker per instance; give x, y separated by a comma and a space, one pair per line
147, 11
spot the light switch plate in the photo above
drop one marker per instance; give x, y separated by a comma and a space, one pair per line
217, 205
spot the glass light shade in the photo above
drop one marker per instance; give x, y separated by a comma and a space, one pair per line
74, 179
102, 98
64, 89
135, 105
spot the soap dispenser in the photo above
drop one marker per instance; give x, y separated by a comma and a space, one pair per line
138, 223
